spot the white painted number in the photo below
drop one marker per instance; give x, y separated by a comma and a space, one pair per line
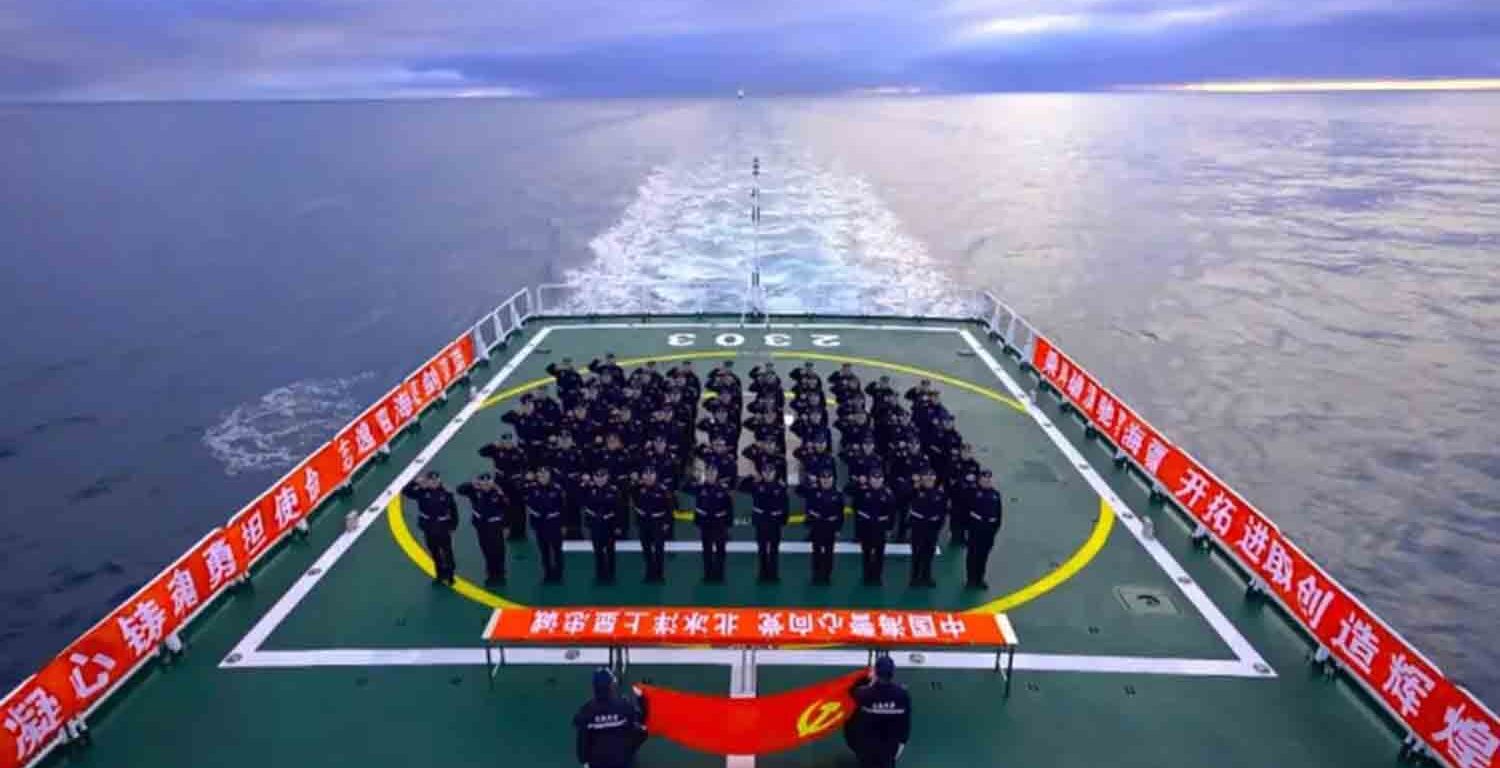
780, 340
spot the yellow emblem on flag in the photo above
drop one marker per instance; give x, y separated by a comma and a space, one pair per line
819, 717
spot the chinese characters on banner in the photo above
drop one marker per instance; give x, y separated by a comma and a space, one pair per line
746, 626
32, 715
1452, 722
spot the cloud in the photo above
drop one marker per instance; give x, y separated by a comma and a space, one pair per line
91, 49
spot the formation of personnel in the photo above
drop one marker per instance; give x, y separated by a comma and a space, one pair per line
600, 448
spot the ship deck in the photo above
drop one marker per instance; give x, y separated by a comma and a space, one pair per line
1138, 649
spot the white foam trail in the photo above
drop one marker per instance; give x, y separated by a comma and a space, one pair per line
828, 243
277, 429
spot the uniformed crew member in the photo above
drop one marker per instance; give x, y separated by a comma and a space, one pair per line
610, 727
601, 514
437, 516
985, 515
654, 505
878, 729
510, 475
929, 508
824, 506
874, 506
490, 509
768, 514
843, 382
713, 511
544, 504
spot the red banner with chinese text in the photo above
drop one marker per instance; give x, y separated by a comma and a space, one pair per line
32, 715
1452, 722
747, 627
750, 726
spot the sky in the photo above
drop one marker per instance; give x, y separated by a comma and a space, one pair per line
235, 49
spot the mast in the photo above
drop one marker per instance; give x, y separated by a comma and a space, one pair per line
755, 296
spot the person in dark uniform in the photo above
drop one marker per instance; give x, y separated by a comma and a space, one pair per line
510, 475
719, 456
843, 382
768, 513
878, 729
608, 369
568, 464
984, 522
810, 425
873, 508
815, 459
601, 500
806, 379
531, 430
490, 511
929, 508
654, 505
437, 516
825, 516
569, 382
713, 511
766, 452
963, 483
610, 727
544, 505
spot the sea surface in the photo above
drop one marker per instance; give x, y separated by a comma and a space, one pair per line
1302, 290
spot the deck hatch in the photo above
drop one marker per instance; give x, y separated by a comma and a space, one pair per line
1145, 601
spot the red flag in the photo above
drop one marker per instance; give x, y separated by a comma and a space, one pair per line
754, 726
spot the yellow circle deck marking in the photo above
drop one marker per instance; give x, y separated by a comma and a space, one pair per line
1069, 568
1063, 572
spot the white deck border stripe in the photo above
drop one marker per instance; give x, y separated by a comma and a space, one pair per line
742, 547
1127, 517
1248, 662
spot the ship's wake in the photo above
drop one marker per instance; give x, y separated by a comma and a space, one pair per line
827, 243
277, 429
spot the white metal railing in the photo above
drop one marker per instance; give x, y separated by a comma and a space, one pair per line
496, 326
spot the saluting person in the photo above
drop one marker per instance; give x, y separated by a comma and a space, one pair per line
490, 510
437, 516
880, 726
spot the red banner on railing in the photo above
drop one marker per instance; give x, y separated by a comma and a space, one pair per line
747, 626
751, 726
1453, 723
33, 714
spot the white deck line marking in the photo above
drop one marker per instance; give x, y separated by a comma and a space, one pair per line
741, 547
252, 657
304, 585
1189, 588
738, 327
743, 681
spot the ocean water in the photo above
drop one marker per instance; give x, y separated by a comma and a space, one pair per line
1302, 290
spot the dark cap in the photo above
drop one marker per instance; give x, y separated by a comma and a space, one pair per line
485, 477
885, 668
604, 680
507, 437
986, 473
877, 472
825, 473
